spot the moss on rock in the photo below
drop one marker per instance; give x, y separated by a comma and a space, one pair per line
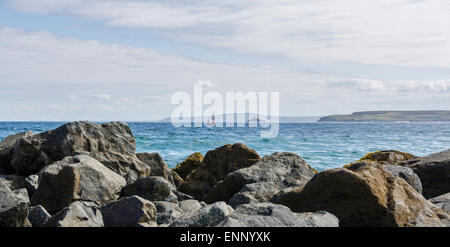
385, 157
188, 165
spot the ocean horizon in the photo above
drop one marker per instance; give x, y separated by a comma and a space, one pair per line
322, 145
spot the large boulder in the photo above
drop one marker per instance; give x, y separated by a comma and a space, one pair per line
38, 216
76, 178
188, 165
14, 207
7, 151
207, 216
77, 214
131, 211
259, 182
403, 172
254, 193
151, 188
112, 144
433, 171
215, 166
274, 215
364, 195
442, 202
158, 166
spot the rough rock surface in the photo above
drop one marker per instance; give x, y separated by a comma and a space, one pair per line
268, 176
215, 166
76, 178
13, 207
77, 214
434, 173
177, 180
158, 166
407, 174
131, 211
210, 215
364, 195
274, 215
151, 188
7, 151
442, 202
31, 183
189, 206
14, 182
38, 216
112, 144
167, 212
403, 172
254, 193
188, 165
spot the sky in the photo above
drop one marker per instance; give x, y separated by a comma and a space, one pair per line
103, 60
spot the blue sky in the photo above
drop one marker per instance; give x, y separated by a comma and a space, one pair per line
122, 60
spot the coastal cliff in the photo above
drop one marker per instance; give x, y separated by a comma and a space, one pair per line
390, 116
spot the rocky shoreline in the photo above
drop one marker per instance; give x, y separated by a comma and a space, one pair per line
88, 175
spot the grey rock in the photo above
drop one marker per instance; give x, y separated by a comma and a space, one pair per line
77, 214
167, 212
76, 178
14, 207
318, 219
158, 166
7, 150
442, 201
210, 215
407, 174
189, 206
31, 184
38, 216
254, 193
433, 171
112, 144
131, 211
182, 196
13, 181
282, 170
151, 188
274, 215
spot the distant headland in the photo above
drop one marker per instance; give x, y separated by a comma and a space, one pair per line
390, 116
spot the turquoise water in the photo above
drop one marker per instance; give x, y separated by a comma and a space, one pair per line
322, 145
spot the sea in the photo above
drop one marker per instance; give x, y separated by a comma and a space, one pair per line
322, 145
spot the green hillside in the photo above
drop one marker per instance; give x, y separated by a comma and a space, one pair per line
390, 116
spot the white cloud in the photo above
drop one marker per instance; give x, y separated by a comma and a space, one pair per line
73, 97
102, 96
38, 70
392, 32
